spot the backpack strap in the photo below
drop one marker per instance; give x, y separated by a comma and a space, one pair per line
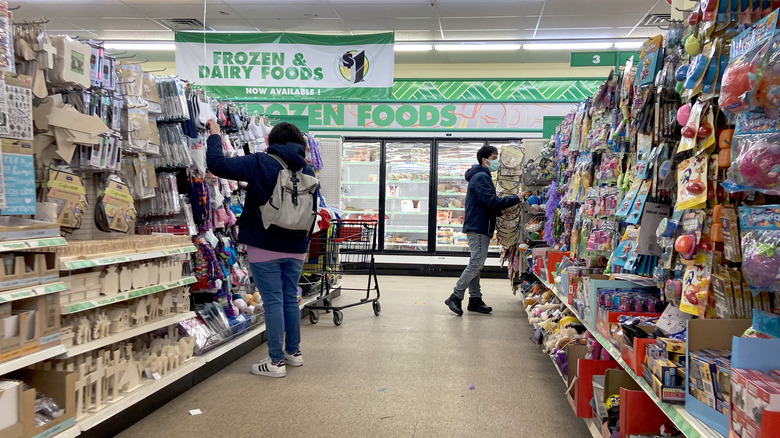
284, 165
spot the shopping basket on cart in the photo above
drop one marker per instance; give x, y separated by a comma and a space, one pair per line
346, 247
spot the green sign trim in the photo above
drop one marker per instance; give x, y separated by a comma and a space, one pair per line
561, 90
282, 38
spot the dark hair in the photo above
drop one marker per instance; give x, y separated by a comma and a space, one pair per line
284, 133
485, 152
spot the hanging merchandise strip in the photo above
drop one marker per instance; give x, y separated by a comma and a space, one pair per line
658, 173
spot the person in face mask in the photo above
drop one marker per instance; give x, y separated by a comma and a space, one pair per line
482, 207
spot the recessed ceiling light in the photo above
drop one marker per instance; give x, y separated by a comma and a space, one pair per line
157, 46
567, 46
413, 47
477, 47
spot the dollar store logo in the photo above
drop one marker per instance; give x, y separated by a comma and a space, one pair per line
353, 65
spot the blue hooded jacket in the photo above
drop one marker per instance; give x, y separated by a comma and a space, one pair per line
482, 203
260, 171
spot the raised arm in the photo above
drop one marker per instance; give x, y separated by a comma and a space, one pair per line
235, 168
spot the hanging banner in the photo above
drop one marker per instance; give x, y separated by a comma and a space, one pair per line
448, 117
287, 66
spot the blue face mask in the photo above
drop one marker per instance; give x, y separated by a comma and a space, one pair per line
493, 166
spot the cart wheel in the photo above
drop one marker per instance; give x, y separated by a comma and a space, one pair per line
314, 316
338, 317
377, 308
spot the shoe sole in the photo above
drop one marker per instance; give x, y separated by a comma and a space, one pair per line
293, 364
268, 374
455, 311
479, 311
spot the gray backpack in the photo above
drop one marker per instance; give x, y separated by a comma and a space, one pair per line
293, 203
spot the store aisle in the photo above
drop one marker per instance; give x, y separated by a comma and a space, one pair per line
406, 373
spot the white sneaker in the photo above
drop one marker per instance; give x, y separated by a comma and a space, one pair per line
294, 360
267, 368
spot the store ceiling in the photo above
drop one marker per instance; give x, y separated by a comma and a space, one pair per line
411, 20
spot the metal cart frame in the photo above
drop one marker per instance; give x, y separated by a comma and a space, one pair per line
346, 247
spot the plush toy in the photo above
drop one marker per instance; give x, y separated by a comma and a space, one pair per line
252, 300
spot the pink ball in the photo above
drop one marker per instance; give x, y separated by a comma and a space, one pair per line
761, 271
683, 114
760, 165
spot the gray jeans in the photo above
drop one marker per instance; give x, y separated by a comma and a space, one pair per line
478, 245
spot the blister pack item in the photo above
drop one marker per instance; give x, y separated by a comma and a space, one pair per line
17, 106
138, 130
761, 246
696, 285
6, 39
650, 60
749, 54
768, 90
755, 155
692, 183
115, 209
133, 78
71, 63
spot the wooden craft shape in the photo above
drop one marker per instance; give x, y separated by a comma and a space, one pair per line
154, 272
110, 281
187, 348
125, 279
141, 276
153, 307
166, 304
119, 318
138, 311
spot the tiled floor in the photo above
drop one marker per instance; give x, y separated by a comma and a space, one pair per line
406, 373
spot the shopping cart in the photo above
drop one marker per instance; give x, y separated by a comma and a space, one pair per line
346, 247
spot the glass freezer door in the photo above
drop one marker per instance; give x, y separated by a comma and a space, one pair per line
360, 167
407, 192
454, 158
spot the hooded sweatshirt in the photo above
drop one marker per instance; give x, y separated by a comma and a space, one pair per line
260, 171
482, 203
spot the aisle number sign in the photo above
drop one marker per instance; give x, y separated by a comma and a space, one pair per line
593, 59
287, 66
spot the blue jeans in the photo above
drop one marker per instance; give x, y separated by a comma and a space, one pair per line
478, 245
277, 282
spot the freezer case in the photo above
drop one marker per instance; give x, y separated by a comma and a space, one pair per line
360, 166
407, 195
454, 158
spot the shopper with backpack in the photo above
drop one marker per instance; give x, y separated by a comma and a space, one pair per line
482, 207
275, 225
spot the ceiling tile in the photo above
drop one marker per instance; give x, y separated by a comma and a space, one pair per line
284, 11
385, 10
562, 21
488, 34
616, 8
386, 24
404, 35
188, 9
490, 8
134, 35
298, 24
230, 24
488, 23
85, 10
569, 34
133, 24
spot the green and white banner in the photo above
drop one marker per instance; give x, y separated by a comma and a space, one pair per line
287, 66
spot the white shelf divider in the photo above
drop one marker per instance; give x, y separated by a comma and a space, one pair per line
29, 359
127, 334
124, 296
32, 291
72, 264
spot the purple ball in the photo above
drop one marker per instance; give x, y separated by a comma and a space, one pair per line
761, 271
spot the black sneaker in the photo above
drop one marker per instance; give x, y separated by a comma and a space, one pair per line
477, 305
454, 303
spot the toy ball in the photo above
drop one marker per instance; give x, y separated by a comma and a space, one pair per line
688, 131
692, 46
685, 244
681, 73
695, 187
736, 82
694, 19
704, 131
760, 165
683, 114
761, 270
691, 297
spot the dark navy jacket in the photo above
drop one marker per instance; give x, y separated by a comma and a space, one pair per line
260, 171
482, 203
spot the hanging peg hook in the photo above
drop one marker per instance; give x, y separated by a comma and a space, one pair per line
156, 71
138, 62
125, 57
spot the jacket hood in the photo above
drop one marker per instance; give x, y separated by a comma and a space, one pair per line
292, 154
475, 169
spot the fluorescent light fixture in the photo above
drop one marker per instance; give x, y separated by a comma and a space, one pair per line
413, 47
628, 44
157, 46
567, 46
477, 47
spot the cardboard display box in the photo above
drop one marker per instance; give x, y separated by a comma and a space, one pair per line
15, 430
59, 385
